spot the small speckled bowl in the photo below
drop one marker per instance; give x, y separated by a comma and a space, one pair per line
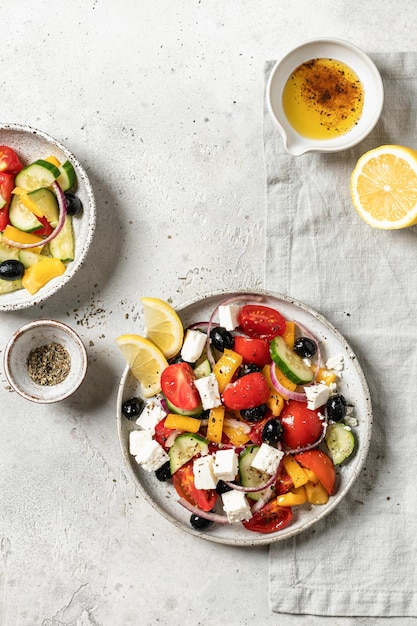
34, 335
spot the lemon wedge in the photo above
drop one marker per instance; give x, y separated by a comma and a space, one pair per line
383, 187
163, 326
145, 360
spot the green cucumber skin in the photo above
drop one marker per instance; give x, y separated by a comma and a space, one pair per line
67, 177
175, 409
184, 448
36, 175
202, 369
340, 441
249, 476
290, 364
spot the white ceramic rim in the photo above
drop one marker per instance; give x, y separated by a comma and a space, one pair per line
251, 539
45, 323
56, 284
344, 51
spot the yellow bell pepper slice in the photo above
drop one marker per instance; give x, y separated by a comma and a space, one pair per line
53, 160
13, 234
235, 433
275, 402
36, 276
226, 367
289, 334
29, 204
316, 493
326, 376
215, 424
297, 473
182, 422
293, 498
284, 381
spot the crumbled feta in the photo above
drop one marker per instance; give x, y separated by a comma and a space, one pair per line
150, 416
267, 459
350, 419
317, 395
193, 345
236, 506
151, 456
208, 389
137, 439
335, 363
225, 464
229, 316
204, 477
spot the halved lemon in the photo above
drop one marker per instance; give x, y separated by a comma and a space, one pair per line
163, 326
145, 360
383, 187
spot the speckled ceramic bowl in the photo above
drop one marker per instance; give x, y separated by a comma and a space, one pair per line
33, 336
339, 50
30, 145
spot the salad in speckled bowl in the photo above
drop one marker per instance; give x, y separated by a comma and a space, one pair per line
47, 216
261, 425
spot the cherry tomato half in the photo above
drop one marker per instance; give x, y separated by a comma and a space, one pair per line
270, 518
177, 384
257, 320
322, 465
302, 426
246, 392
162, 433
9, 161
6, 188
183, 481
252, 350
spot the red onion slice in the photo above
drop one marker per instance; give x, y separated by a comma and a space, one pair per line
259, 504
62, 205
287, 393
213, 517
268, 483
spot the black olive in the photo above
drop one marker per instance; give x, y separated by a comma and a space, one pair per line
249, 368
272, 431
177, 359
74, 204
11, 270
336, 408
305, 347
255, 414
221, 487
163, 473
132, 408
199, 523
221, 338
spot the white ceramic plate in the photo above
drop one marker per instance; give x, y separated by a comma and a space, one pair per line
352, 385
30, 145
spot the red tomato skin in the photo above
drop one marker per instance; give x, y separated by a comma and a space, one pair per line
284, 483
6, 188
252, 350
322, 465
257, 320
270, 518
177, 384
246, 392
9, 161
183, 481
162, 433
302, 427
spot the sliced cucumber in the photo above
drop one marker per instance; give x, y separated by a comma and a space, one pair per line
249, 476
39, 174
29, 258
174, 409
203, 368
46, 200
21, 217
63, 245
6, 286
67, 177
290, 364
8, 252
184, 448
340, 442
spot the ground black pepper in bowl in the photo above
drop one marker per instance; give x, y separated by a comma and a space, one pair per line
49, 364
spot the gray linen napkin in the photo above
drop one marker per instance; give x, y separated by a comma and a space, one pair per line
361, 559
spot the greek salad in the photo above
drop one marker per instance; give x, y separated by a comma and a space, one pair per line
250, 423
37, 206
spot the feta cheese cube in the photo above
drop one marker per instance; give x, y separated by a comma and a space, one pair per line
151, 456
137, 439
229, 316
193, 345
335, 363
317, 395
236, 506
204, 477
267, 459
208, 389
225, 464
150, 416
